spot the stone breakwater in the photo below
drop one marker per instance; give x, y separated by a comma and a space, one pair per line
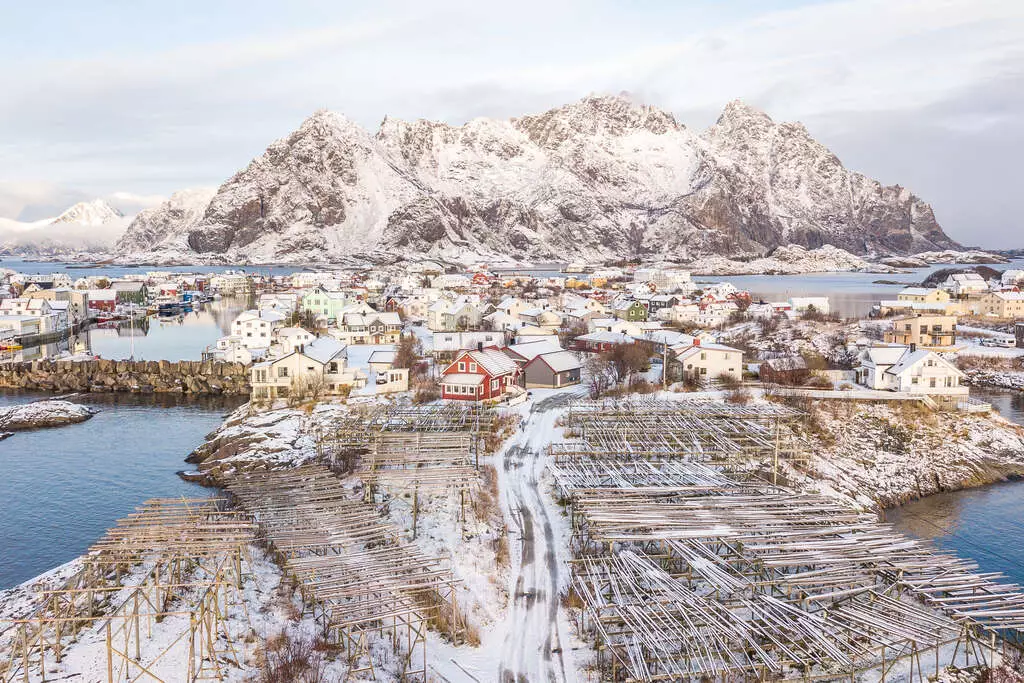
147, 377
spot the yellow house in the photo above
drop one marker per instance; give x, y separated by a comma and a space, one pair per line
1002, 305
923, 295
923, 330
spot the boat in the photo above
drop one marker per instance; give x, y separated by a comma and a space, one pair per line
170, 308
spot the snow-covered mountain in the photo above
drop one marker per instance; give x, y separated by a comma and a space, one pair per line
87, 226
596, 179
162, 224
96, 212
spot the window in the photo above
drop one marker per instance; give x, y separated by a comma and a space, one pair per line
282, 372
931, 382
703, 355
462, 366
913, 380
472, 367
332, 368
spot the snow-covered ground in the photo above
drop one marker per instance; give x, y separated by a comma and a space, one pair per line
868, 455
534, 640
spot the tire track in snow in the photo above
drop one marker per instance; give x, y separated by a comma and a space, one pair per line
533, 648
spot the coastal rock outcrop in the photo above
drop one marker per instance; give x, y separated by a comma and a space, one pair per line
40, 414
882, 456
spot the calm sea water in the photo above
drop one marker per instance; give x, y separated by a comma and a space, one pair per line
985, 524
172, 338
77, 270
851, 294
61, 488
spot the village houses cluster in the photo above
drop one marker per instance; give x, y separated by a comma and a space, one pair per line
485, 336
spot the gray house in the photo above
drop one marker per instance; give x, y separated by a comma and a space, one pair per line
552, 370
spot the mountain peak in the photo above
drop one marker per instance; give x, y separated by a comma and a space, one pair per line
612, 115
739, 111
96, 212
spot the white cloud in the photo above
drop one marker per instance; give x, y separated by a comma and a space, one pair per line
154, 122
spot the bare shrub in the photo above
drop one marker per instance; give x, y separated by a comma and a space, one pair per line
425, 391
730, 382
739, 395
292, 660
306, 387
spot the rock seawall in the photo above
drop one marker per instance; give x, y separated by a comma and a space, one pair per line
147, 377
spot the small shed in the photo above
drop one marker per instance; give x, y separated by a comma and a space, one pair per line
553, 370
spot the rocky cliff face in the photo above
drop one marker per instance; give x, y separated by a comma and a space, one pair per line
167, 223
600, 178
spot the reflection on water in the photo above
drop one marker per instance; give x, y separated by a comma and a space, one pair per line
181, 337
986, 524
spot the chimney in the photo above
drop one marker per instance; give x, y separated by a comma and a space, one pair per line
913, 347
696, 341
479, 346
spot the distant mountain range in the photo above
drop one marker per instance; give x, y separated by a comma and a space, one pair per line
87, 226
601, 178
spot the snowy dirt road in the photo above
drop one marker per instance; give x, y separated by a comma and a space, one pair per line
537, 631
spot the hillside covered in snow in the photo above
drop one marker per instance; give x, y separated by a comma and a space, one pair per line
86, 226
601, 178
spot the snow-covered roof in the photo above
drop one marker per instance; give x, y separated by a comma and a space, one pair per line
916, 291
668, 337
493, 361
462, 379
286, 332
687, 352
324, 349
606, 337
381, 356
535, 347
885, 355
559, 361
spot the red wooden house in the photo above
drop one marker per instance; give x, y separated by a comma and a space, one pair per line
481, 375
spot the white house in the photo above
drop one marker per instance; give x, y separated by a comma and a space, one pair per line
321, 364
962, 284
801, 304
288, 339
447, 343
255, 328
704, 362
911, 370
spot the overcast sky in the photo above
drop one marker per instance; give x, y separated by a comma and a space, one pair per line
136, 99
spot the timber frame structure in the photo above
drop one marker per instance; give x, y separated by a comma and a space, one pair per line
173, 562
713, 432
415, 449
684, 573
354, 569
